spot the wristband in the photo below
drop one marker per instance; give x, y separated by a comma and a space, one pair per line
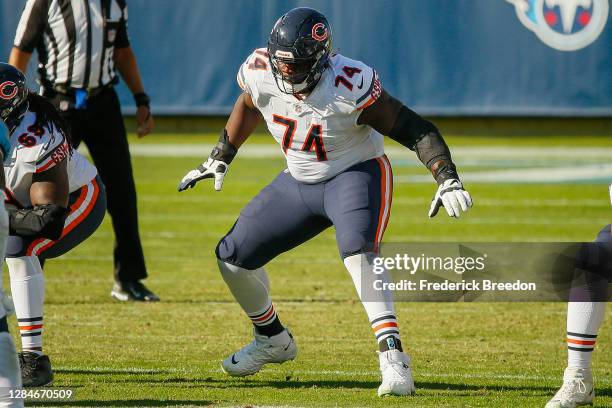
444, 170
142, 99
224, 151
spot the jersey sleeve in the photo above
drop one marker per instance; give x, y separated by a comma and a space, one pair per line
31, 25
355, 82
52, 150
373, 91
252, 71
241, 78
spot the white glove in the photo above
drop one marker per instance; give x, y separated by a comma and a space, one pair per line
210, 169
452, 197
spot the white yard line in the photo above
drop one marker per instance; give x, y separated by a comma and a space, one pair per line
557, 164
579, 173
509, 202
483, 152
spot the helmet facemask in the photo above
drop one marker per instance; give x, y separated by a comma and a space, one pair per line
297, 75
16, 108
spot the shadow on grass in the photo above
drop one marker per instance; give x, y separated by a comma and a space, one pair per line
124, 403
288, 383
109, 301
602, 392
296, 383
111, 371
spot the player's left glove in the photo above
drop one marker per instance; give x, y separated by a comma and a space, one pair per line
215, 167
211, 168
452, 197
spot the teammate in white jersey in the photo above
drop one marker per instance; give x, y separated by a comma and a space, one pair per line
10, 377
586, 309
328, 113
55, 200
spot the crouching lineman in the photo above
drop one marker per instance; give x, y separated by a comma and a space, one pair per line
55, 200
327, 112
585, 314
10, 378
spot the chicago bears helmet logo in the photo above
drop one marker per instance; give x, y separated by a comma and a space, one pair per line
565, 25
8, 90
319, 32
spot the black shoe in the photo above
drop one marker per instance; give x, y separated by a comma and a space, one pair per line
35, 369
134, 290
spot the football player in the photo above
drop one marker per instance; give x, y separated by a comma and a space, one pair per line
54, 199
10, 377
328, 113
585, 314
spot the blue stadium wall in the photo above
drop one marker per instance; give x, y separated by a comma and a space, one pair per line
442, 57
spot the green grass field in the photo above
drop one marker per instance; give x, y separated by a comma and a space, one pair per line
464, 355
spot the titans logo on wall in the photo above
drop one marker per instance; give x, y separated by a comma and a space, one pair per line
565, 25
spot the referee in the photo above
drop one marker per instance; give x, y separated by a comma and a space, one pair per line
81, 44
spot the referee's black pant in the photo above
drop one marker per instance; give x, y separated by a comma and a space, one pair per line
101, 127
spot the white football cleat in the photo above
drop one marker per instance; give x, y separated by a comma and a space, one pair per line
577, 389
396, 374
263, 350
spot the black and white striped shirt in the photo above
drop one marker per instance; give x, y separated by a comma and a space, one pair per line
75, 39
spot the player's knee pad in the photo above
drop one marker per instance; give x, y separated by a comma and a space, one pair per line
247, 257
353, 243
226, 249
23, 267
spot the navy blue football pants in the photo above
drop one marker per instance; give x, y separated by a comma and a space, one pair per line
594, 269
87, 209
286, 213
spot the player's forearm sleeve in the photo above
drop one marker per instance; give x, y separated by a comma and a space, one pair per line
45, 221
420, 135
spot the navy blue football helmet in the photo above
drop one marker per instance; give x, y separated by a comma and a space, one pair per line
13, 90
299, 48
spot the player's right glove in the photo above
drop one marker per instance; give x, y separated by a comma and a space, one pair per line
452, 197
215, 167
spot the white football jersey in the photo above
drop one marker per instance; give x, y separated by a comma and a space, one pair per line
318, 134
35, 150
